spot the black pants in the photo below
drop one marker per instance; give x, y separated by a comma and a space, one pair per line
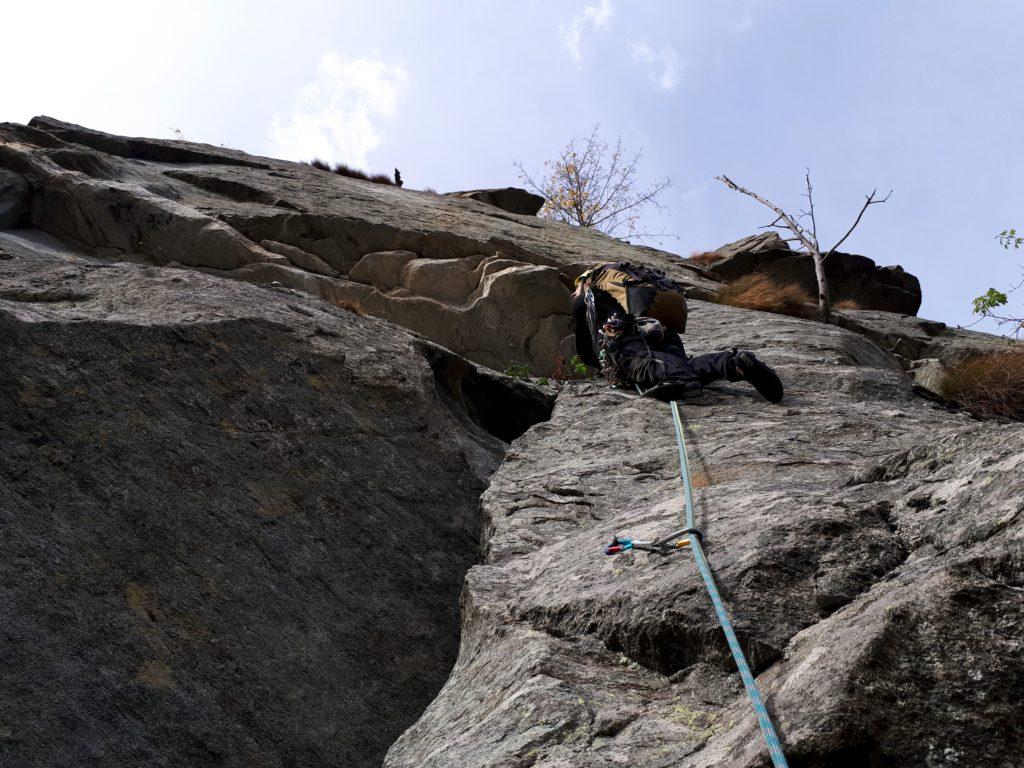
649, 366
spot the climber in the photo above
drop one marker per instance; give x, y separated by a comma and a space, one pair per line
647, 352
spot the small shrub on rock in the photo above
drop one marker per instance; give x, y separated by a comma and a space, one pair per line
760, 292
988, 385
571, 370
518, 371
705, 258
348, 171
355, 307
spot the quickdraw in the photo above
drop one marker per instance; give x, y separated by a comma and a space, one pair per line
694, 541
664, 546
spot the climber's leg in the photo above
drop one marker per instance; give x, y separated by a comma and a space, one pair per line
714, 367
737, 366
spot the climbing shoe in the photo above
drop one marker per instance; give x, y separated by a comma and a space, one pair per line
674, 390
761, 377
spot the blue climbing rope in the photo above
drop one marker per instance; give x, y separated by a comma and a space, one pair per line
771, 738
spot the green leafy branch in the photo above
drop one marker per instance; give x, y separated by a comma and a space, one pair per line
989, 302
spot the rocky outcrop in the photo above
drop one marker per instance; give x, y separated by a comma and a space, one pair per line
850, 277
910, 338
236, 519
511, 199
868, 546
269, 221
14, 199
926, 349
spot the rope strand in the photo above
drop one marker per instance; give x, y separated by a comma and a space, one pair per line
771, 738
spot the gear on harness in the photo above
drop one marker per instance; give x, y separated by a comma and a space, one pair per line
641, 352
611, 330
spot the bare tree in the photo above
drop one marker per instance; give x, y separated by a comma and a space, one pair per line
808, 239
595, 185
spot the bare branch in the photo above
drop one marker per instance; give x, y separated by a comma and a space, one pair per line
810, 202
790, 224
870, 200
646, 198
807, 240
592, 184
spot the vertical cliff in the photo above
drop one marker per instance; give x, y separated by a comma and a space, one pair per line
253, 449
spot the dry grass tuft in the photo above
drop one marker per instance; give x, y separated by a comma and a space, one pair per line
353, 306
847, 304
705, 258
353, 173
760, 292
988, 385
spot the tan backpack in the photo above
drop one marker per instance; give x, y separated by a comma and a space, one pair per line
641, 291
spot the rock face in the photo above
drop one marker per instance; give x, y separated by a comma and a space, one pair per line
236, 519
14, 198
265, 221
511, 199
850, 276
926, 349
868, 546
910, 338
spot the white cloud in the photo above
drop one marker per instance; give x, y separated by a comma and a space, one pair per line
596, 16
696, 191
337, 115
663, 67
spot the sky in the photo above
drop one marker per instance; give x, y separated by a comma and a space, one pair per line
921, 97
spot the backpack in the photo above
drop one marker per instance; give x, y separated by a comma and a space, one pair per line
641, 291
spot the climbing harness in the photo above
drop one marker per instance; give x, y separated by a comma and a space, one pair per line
694, 541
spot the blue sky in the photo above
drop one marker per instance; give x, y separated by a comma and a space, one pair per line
921, 97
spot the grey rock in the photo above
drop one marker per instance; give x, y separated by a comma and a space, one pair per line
511, 199
929, 373
913, 338
235, 519
301, 259
752, 244
15, 197
382, 269
174, 202
867, 545
851, 277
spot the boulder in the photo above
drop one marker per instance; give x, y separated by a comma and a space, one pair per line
851, 277
511, 199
